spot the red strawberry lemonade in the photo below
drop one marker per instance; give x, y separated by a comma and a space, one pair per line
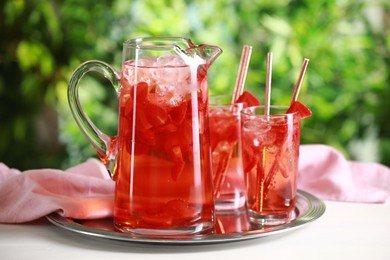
163, 169
270, 157
225, 137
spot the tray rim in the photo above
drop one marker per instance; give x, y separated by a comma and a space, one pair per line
315, 208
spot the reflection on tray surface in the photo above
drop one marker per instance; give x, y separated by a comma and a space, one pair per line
225, 223
229, 225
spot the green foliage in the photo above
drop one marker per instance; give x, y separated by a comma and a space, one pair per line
346, 85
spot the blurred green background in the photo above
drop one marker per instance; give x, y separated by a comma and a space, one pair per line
347, 84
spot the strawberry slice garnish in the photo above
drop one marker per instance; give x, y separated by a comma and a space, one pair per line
248, 99
301, 109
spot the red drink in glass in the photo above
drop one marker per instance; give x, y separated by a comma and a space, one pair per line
225, 138
160, 158
163, 168
270, 157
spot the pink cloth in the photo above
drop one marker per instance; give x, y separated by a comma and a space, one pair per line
83, 192
324, 172
86, 192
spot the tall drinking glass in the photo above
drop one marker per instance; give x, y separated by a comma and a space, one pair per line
225, 138
270, 146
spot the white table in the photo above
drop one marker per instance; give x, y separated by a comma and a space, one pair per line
345, 231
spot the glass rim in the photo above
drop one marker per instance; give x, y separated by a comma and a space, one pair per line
248, 111
227, 97
157, 42
226, 105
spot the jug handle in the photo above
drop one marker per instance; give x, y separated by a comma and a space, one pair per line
104, 145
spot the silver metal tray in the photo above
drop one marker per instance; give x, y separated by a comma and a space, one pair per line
229, 226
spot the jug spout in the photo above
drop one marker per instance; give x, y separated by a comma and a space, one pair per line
209, 53
198, 54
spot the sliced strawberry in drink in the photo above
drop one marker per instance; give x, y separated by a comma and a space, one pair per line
125, 101
125, 86
283, 168
169, 140
127, 107
223, 129
146, 137
231, 130
176, 156
178, 113
202, 96
250, 150
250, 159
139, 92
300, 108
169, 127
157, 115
185, 132
125, 129
248, 99
177, 170
221, 159
188, 153
141, 119
138, 146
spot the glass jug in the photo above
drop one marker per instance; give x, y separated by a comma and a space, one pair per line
160, 158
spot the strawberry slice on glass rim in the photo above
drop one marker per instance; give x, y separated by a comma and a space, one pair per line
301, 109
248, 99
